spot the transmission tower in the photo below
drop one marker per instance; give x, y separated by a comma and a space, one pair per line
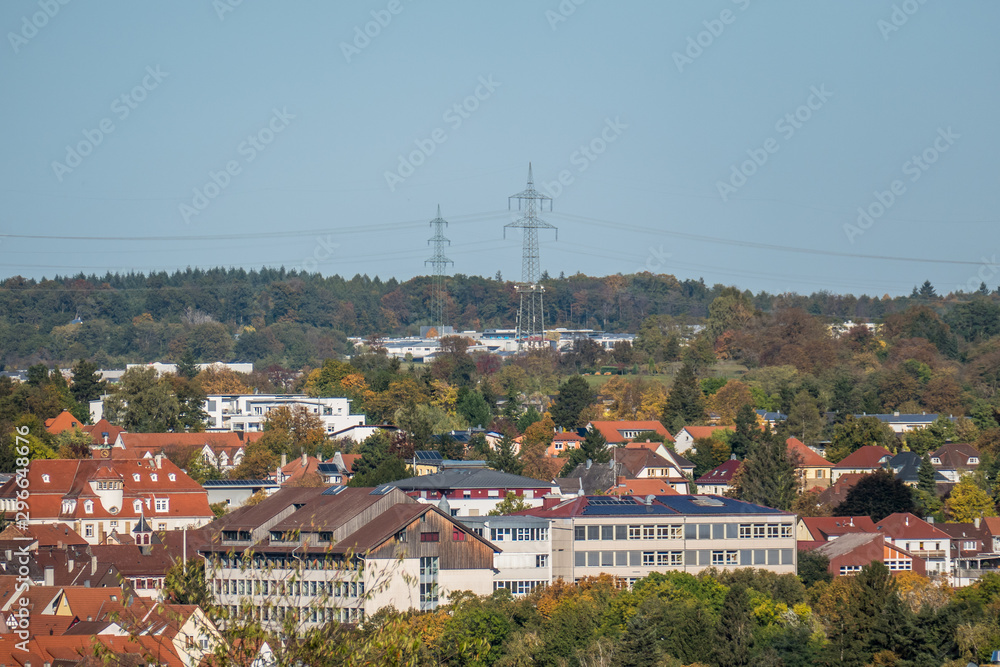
530, 314
440, 263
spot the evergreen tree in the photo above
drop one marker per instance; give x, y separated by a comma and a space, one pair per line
746, 432
734, 633
593, 448
804, 420
574, 396
877, 495
473, 407
685, 402
87, 383
504, 458
187, 365
870, 618
925, 476
768, 473
512, 406
529, 417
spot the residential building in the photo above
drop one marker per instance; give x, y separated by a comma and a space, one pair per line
919, 538
621, 432
903, 423
864, 460
636, 460
852, 552
813, 530
247, 412
340, 554
719, 479
649, 486
563, 441
221, 450
473, 492
97, 498
630, 537
772, 419
684, 440
235, 492
814, 472
69, 623
954, 460
360, 432
525, 561
837, 493
905, 467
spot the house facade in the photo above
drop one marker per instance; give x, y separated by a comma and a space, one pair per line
473, 492
247, 412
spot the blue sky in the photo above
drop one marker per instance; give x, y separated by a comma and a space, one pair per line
733, 141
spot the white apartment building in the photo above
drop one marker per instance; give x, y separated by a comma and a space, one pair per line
247, 412
526, 560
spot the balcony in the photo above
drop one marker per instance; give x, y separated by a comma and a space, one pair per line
940, 555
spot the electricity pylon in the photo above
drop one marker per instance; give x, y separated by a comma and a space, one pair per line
440, 262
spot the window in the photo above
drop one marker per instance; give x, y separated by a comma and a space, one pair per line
172, 477
542, 560
493, 493
457, 535
668, 532
724, 558
161, 527
501, 534
580, 532
430, 537
114, 524
849, 569
819, 474
45, 478
973, 460
466, 493
152, 476
88, 506
162, 504
88, 530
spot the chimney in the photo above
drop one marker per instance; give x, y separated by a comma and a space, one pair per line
159, 460
50, 575
305, 460
852, 522
621, 480
550, 500
976, 522
72, 564
284, 460
589, 463
907, 519
93, 565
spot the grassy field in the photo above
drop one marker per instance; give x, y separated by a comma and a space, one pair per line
724, 369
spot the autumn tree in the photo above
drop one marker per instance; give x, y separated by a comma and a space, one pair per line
728, 400
259, 462
305, 429
968, 502
511, 503
856, 433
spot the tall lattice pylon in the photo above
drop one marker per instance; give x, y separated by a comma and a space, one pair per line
439, 261
530, 315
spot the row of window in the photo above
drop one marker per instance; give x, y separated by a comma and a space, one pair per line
686, 558
688, 531
518, 587
152, 583
270, 562
160, 505
342, 589
312, 615
88, 528
519, 534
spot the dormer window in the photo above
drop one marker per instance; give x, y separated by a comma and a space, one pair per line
152, 476
936, 461
161, 504
172, 477
973, 460
135, 477
45, 478
137, 506
88, 506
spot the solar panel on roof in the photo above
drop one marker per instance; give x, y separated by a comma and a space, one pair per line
381, 490
610, 501
237, 482
334, 490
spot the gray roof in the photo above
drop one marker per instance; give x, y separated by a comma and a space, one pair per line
593, 478
478, 478
845, 544
906, 467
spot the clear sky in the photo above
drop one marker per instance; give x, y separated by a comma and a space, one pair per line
733, 141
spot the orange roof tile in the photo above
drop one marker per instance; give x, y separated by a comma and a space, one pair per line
613, 430
642, 487
64, 421
807, 457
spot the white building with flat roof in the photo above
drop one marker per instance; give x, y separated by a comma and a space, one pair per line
247, 412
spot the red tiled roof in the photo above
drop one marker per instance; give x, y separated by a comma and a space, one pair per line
956, 456
837, 493
642, 487
295, 471
722, 474
906, 526
64, 421
97, 430
824, 528
566, 436
698, 432
612, 430
53, 534
868, 457
807, 457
